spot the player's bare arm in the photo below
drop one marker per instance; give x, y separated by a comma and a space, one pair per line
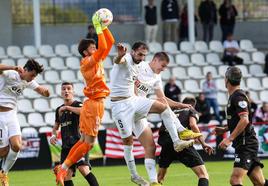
173, 104
121, 51
220, 130
242, 124
75, 110
7, 67
42, 91
207, 148
53, 138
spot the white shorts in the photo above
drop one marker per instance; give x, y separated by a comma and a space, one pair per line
9, 126
130, 115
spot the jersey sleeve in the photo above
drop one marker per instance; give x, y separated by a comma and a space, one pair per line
78, 104
158, 84
193, 113
33, 84
240, 105
109, 40
57, 119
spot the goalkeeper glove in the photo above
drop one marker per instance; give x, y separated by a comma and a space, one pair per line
96, 23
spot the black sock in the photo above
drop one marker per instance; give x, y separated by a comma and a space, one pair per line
266, 183
91, 179
68, 183
203, 182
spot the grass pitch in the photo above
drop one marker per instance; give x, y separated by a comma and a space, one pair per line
178, 175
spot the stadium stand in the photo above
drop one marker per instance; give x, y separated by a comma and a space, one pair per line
189, 65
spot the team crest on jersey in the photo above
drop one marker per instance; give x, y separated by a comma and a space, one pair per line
242, 104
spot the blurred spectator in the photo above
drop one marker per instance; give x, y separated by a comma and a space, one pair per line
184, 24
210, 90
227, 13
170, 16
151, 22
203, 108
231, 48
92, 34
172, 91
253, 105
261, 114
208, 17
265, 70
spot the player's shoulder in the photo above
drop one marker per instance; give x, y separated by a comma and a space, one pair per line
59, 107
77, 103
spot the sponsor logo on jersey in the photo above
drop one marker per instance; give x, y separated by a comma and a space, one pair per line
242, 104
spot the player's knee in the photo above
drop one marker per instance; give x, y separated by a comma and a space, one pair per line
257, 182
4, 151
150, 149
16, 147
235, 180
84, 170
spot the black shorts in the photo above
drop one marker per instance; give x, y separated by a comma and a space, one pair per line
83, 161
189, 157
246, 158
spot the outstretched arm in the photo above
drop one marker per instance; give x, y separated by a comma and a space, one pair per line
109, 40
42, 91
121, 51
8, 67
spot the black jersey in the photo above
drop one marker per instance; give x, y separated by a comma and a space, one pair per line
184, 117
238, 103
69, 123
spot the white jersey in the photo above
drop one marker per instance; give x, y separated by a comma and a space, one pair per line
147, 81
12, 86
122, 78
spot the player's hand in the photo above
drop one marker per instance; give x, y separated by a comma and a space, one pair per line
62, 109
208, 149
96, 23
18, 69
182, 106
53, 140
225, 143
121, 49
219, 131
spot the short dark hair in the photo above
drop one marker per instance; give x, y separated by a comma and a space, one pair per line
161, 56
31, 65
90, 27
83, 45
233, 75
140, 44
189, 100
67, 83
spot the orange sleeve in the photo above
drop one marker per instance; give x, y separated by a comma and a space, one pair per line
102, 47
109, 40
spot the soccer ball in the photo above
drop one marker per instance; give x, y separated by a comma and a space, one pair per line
106, 16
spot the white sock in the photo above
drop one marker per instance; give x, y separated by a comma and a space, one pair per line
169, 122
9, 160
177, 122
151, 170
130, 160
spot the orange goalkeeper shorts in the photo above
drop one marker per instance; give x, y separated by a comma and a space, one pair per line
90, 116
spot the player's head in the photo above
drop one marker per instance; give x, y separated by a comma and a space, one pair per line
67, 91
86, 47
189, 100
31, 69
159, 62
139, 51
233, 76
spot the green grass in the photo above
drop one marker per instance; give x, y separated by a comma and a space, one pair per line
177, 175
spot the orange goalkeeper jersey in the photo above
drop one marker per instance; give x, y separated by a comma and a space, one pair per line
92, 68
